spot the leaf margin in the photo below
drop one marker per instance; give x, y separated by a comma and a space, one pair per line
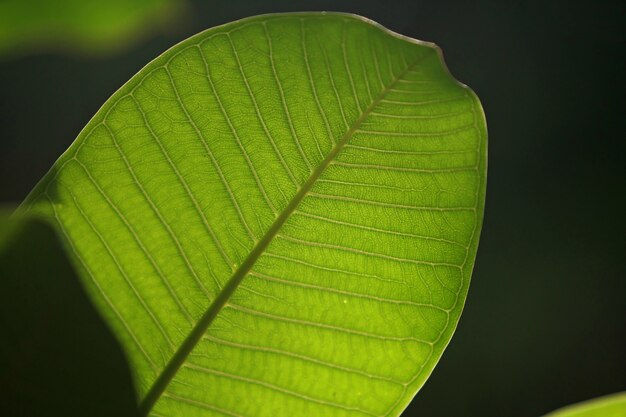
440, 345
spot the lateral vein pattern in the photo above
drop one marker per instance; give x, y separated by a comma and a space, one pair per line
278, 217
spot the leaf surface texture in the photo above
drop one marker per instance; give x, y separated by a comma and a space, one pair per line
279, 217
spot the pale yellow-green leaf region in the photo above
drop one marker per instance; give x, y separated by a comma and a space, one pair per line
613, 405
278, 217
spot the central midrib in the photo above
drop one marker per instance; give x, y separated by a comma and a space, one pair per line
207, 318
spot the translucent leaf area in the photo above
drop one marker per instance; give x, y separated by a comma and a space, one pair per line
278, 217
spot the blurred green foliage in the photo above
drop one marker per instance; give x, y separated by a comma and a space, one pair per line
77, 26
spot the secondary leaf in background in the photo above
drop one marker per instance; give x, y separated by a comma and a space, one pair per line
89, 27
279, 217
57, 357
609, 406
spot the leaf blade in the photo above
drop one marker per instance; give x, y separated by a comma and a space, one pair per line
275, 191
612, 405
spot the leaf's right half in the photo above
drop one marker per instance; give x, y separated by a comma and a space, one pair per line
278, 217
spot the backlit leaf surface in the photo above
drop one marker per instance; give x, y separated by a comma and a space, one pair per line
279, 217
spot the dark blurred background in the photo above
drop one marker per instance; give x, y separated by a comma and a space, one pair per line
545, 321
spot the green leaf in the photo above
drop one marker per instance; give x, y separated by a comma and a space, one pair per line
613, 405
279, 217
57, 357
80, 26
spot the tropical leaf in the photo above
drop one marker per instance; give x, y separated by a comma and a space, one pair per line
608, 406
278, 217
